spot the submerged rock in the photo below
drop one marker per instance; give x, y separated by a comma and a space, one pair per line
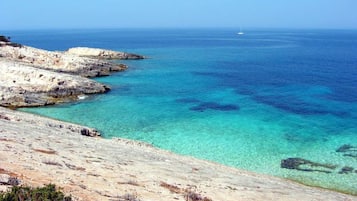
348, 150
346, 170
306, 165
214, 106
102, 53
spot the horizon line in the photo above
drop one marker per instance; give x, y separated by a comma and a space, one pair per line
174, 28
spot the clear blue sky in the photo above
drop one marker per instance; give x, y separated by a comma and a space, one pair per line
43, 14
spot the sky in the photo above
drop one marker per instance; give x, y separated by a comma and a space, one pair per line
59, 14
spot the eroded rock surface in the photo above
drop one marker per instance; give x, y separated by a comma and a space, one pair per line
23, 85
60, 62
102, 53
41, 151
34, 77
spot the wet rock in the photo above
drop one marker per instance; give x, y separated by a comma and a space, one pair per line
306, 165
89, 132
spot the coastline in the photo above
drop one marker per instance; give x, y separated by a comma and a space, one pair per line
100, 169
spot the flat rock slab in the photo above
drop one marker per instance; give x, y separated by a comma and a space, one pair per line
60, 62
102, 53
44, 151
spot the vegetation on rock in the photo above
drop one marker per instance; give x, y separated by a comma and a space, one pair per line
23, 193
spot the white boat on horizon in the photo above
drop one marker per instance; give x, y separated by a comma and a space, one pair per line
240, 32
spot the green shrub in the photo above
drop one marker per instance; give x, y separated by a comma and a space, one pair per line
24, 193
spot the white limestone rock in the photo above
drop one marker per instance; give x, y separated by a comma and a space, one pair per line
23, 85
60, 62
102, 53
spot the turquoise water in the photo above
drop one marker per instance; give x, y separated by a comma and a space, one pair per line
245, 101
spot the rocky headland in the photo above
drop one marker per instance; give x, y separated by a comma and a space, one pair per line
102, 54
59, 61
22, 85
34, 77
36, 150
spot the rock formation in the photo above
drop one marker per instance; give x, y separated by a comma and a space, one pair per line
34, 77
23, 85
102, 53
60, 62
5, 41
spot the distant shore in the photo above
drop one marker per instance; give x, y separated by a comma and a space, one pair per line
39, 150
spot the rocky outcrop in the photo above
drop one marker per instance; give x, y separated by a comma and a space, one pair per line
102, 53
5, 41
34, 77
23, 85
60, 62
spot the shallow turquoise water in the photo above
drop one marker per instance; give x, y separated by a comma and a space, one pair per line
244, 102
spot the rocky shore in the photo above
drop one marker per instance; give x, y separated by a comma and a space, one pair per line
35, 150
34, 77
39, 151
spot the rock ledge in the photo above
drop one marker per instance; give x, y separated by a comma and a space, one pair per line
102, 53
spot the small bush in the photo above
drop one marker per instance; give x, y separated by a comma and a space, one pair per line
23, 193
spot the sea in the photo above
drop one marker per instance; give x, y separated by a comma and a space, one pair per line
281, 102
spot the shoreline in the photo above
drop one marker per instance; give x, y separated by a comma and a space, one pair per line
92, 168
101, 169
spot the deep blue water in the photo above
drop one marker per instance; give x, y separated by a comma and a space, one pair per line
247, 101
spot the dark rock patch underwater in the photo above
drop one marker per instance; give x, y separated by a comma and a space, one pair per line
201, 106
213, 106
